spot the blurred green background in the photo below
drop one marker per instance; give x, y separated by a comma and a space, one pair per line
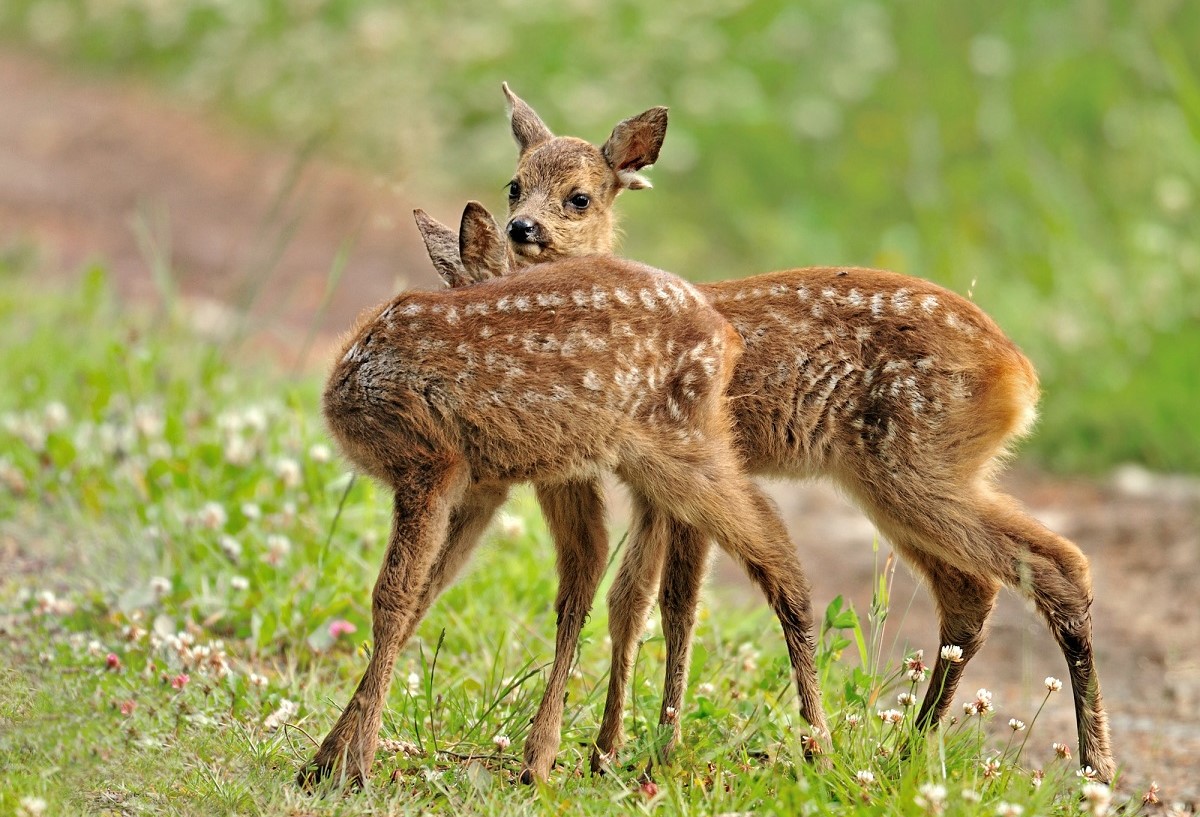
1042, 156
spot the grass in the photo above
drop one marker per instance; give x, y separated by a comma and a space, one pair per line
186, 603
1042, 156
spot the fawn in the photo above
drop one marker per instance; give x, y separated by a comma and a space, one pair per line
582, 366
903, 393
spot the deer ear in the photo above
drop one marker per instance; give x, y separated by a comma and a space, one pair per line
442, 245
634, 144
480, 244
527, 127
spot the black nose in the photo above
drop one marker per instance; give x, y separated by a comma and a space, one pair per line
521, 230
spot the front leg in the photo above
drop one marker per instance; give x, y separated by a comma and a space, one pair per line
574, 513
423, 501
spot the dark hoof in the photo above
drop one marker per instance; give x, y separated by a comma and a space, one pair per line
527, 777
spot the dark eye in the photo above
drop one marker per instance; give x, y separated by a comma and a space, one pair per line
580, 201
514, 191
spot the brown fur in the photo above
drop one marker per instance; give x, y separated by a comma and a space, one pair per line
900, 391
586, 365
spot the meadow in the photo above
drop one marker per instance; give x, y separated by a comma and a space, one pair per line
186, 598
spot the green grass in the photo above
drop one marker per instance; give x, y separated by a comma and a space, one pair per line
179, 513
1042, 155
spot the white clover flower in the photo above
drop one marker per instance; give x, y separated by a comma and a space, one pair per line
853, 720
971, 796
238, 451
1053, 684
319, 452
890, 716
864, 777
256, 680
31, 807
231, 547
1087, 773
284, 714
502, 742
288, 471
212, 516
148, 420
251, 510
670, 714
1062, 751
239, 583
278, 546
990, 769
952, 653
160, 586
706, 689
255, 419
55, 416
1016, 724
1004, 809
1097, 798
931, 797
414, 683
906, 699
914, 667
982, 703
511, 526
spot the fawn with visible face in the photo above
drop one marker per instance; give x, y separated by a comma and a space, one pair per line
581, 367
903, 393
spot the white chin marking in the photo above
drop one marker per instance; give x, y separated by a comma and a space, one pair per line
532, 250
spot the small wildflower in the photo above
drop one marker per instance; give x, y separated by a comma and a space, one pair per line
238, 451
56, 416
284, 713
127, 707
971, 796
251, 510
864, 778
414, 683
811, 743
239, 583
512, 526
319, 452
502, 742
148, 421
952, 654
1037, 777
670, 714
278, 546
180, 681
853, 720
1087, 773
906, 699
931, 797
95, 648
257, 680
160, 586
981, 705
915, 668
339, 627
31, 807
231, 547
706, 689
1004, 809
1016, 724
649, 788
1053, 684
288, 471
212, 516
1097, 798
112, 662
1062, 751
1150, 798
990, 769
891, 716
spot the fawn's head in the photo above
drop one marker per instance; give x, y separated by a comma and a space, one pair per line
560, 199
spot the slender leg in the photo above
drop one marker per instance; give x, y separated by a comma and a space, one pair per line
714, 496
629, 602
683, 575
468, 521
1054, 573
574, 512
424, 497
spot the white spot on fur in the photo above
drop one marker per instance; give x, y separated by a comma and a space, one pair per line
521, 303
549, 299
580, 298
599, 298
929, 303
924, 363
622, 296
900, 301
477, 308
877, 305
828, 294
854, 298
451, 316
802, 293
485, 332
647, 298
412, 309
591, 381
504, 304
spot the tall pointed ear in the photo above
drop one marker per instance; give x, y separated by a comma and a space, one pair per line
481, 244
634, 144
527, 127
442, 245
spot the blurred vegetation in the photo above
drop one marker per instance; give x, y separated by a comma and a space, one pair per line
1042, 156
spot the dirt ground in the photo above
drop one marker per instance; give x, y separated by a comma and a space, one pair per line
81, 161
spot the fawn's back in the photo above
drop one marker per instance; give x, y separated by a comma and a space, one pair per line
531, 376
846, 369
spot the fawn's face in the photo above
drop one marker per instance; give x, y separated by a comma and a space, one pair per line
560, 200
